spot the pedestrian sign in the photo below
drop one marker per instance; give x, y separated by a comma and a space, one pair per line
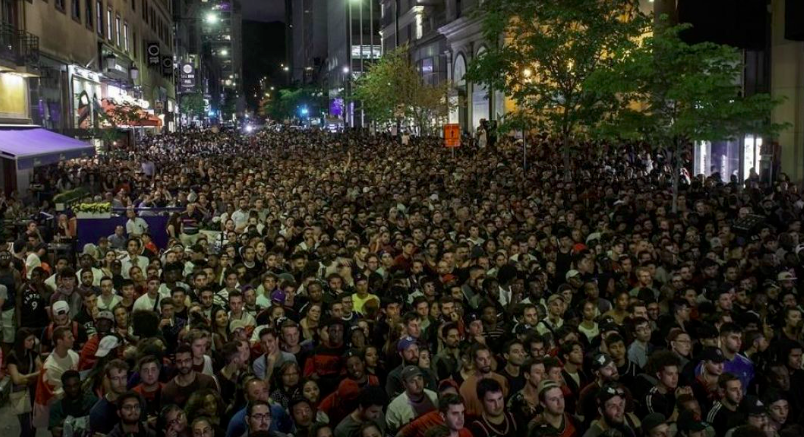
452, 135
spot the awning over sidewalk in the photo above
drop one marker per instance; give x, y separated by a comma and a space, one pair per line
32, 146
134, 116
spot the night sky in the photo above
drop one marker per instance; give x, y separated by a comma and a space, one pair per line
264, 10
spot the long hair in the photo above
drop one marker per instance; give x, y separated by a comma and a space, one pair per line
196, 403
277, 376
19, 346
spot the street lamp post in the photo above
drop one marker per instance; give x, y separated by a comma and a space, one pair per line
346, 91
527, 73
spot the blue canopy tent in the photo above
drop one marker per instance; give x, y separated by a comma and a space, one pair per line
23, 147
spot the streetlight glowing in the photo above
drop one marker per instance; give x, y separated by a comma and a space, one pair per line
211, 18
345, 70
286, 68
224, 52
272, 88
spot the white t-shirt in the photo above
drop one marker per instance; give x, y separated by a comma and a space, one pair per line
55, 366
103, 305
145, 302
136, 226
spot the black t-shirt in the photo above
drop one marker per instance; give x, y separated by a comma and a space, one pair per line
228, 387
86, 321
33, 312
25, 364
172, 393
515, 383
480, 427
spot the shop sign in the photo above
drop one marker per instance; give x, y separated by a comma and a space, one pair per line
153, 54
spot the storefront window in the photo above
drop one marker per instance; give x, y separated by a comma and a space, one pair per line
752, 147
86, 100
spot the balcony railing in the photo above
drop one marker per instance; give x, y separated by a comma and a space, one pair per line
18, 46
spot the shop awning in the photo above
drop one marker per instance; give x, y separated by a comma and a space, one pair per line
32, 146
129, 116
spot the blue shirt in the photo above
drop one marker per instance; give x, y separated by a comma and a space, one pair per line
739, 366
281, 422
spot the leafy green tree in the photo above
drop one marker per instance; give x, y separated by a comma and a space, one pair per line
547, 52
289, 100
673, 94
193, 104
394, 83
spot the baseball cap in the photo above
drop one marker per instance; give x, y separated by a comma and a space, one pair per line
572, 274
106, 345
753, 406
785, 276
470, 317
688, 423
771, 396
601, 360
405, 342
555, 297
89, 251
770, 283
105, 315
609, 391
522, 329
545, 385
61, 307
447, 384
410, 372
234, 325
278, 296
713, 354
651, 421
360, 277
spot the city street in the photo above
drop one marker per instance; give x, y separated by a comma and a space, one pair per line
403, 218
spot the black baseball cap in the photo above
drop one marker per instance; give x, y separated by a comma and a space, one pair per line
713, 354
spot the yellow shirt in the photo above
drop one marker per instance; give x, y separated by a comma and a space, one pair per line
358, 303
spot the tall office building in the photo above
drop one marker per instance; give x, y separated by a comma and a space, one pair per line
354, 42
223, 33
308, 36
222, 40
197, 72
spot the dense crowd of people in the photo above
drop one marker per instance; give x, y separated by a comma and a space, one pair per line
346, 285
